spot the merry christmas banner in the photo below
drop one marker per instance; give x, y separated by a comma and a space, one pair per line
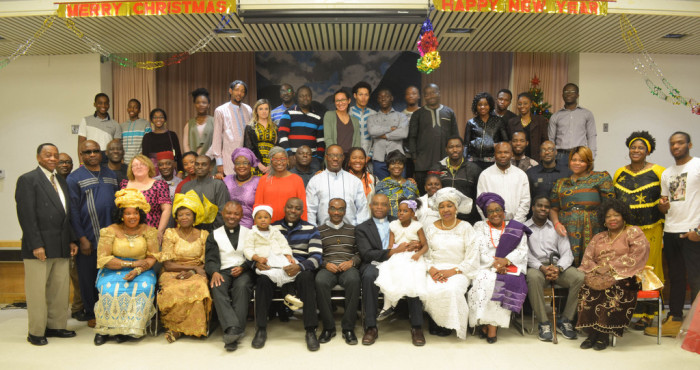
129, 8
523, 6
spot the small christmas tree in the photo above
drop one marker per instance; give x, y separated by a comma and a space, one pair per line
539, 106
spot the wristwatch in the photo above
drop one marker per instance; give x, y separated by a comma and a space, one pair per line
697, 231
457, 270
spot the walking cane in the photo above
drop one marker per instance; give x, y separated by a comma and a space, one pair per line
553, 259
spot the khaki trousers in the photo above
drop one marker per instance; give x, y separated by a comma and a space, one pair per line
47, 287
571, 278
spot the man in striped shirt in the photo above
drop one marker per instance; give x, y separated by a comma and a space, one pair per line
133, 130
361, 92
302, 126
341, 259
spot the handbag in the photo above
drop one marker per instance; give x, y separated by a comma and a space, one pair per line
649, 279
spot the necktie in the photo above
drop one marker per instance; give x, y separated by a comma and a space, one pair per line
53, 182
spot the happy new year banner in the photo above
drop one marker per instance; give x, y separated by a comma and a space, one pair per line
129, 8
523, 6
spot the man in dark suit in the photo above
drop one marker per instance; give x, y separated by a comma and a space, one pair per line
43, 206
372, 237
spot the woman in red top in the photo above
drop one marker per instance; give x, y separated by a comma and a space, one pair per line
277, 186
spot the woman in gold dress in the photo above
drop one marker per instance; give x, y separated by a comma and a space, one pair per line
126, 281
183, 299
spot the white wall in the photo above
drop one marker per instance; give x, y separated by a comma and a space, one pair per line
618, 95
40, 98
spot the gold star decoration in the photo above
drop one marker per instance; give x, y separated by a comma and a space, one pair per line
640, 199
621, 178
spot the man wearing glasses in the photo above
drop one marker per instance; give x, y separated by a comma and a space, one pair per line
287, 97
334, 182
572, 125
543, 176
91, 188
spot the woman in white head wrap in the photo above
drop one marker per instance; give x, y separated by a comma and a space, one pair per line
451, 262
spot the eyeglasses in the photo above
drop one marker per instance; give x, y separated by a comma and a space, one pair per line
547, 150
570, 91
286, 90
494, 211
341, 101
65, 162
88, 152
158, 117
246, 163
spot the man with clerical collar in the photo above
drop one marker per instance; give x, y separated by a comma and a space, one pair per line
43, 212
287, 97
507, 181
166, 167
231, 279
341, 260
302, 164
334, 182
115, 159
302, 126
305, 241
205, 186
372, 237
519, 143
91, 188
543, 176
543, 270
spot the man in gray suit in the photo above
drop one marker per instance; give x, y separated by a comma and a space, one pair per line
43, 209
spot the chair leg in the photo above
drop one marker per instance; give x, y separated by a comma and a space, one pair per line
613, 342
658, 322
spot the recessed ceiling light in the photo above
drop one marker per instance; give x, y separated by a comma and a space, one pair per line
460, 30
674, 36
229, 32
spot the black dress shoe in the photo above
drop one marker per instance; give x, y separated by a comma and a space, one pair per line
59, 333
100, 339
230, 347
79, 315
259, 338
326, 336
311, 341
588, 343
37, 341
123, 338
349, 337
600, 344
491, 340
232, 335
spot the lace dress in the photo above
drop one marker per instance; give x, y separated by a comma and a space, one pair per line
448, 249
482, 310
401, 276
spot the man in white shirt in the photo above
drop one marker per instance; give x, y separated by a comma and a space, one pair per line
334, 182
680, 201
507, 181
541, 272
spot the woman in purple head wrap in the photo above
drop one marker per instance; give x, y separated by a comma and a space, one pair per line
499, 286
242, 184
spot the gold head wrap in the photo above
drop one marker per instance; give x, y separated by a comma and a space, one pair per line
131, 198
204, 210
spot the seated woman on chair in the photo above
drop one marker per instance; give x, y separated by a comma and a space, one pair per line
183, 300
611, 261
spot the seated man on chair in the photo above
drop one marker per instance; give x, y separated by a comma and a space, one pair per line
231, 277
341, 261
305, 241
373, 241
540, 273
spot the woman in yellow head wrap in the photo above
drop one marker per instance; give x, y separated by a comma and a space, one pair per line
183, 299
126, 282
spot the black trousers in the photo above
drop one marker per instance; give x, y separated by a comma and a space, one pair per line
87, 276
231, 299
350, 281
420, 176
370, 298
306, 291
683, 257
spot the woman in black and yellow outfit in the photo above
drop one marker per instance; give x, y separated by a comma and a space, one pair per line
261, 136
638, 186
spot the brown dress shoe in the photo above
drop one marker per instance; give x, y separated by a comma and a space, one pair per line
370, 336
417, 337
92, 323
